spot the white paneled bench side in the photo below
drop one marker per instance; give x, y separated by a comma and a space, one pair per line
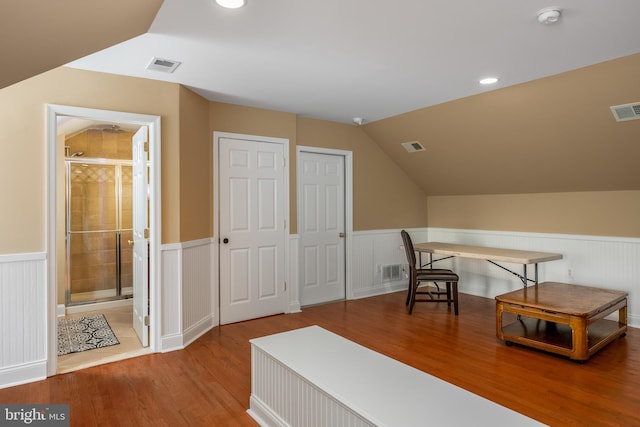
312, 377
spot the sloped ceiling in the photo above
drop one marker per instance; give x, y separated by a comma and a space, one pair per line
336, 60
554, 134
39, 35
410, 71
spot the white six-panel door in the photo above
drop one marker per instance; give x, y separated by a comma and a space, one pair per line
252, 229
321, 194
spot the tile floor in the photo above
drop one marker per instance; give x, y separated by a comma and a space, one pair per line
119, 319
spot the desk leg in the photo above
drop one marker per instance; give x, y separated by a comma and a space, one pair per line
536, 267
525, 278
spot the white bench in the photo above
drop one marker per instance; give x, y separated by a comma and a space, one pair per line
312, 377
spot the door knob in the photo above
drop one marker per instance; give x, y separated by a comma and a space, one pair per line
341, 235
225, 240
130, 242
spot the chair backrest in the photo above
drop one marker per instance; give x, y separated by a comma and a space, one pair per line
408, 247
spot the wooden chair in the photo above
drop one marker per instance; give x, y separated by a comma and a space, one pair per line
418, 275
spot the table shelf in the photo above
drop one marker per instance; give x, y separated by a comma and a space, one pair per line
559, 335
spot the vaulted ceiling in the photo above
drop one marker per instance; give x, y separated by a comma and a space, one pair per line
409, 68
336, 59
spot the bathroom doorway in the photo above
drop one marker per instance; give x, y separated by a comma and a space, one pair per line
90, 217
98, 211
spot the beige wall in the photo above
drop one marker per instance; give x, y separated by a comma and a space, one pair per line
598, 213
23, 144
188, 122
195, 168
383, 195
555, 134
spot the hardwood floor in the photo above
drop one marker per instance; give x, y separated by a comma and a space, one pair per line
208, 383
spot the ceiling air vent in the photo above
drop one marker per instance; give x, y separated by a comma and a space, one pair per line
164, 65
412, 146
626, 112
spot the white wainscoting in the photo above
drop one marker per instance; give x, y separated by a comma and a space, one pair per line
190, 294
599, 261
293, 281
23, 318
371, 251
189, 304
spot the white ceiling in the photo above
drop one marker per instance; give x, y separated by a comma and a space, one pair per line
339, 59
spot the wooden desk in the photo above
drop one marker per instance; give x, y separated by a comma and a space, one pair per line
493, 255
562, 318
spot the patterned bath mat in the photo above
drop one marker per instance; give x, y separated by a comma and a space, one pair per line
84, 333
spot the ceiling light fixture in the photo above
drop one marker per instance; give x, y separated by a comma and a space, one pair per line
548, 15
231, 4
358, 121
489, 81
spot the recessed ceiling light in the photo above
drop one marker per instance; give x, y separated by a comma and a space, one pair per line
231, 4
489, 81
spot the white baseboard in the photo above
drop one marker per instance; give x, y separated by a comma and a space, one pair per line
387, 288
294, 307
23, 373
171, 343
197, 330
263, 415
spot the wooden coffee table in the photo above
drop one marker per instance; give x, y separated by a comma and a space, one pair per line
562, 318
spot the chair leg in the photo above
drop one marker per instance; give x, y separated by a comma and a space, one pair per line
448, 294
455, 298
408, 293
414, 291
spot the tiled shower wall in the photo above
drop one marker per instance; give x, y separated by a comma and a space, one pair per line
93, 206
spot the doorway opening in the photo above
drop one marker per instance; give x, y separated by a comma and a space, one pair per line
98, 210
89, 237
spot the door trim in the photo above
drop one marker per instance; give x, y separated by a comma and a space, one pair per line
216, 212
153, 123
348, 206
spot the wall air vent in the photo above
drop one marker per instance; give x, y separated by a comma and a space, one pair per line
164, 65
413, 146
625, 112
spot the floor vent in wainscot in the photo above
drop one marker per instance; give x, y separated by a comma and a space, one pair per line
391, 273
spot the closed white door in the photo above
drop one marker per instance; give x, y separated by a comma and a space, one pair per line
140, 237
252, 229
321, 194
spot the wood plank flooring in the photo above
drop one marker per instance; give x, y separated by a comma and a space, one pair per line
208, 383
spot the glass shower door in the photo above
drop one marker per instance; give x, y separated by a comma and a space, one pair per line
95, 244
